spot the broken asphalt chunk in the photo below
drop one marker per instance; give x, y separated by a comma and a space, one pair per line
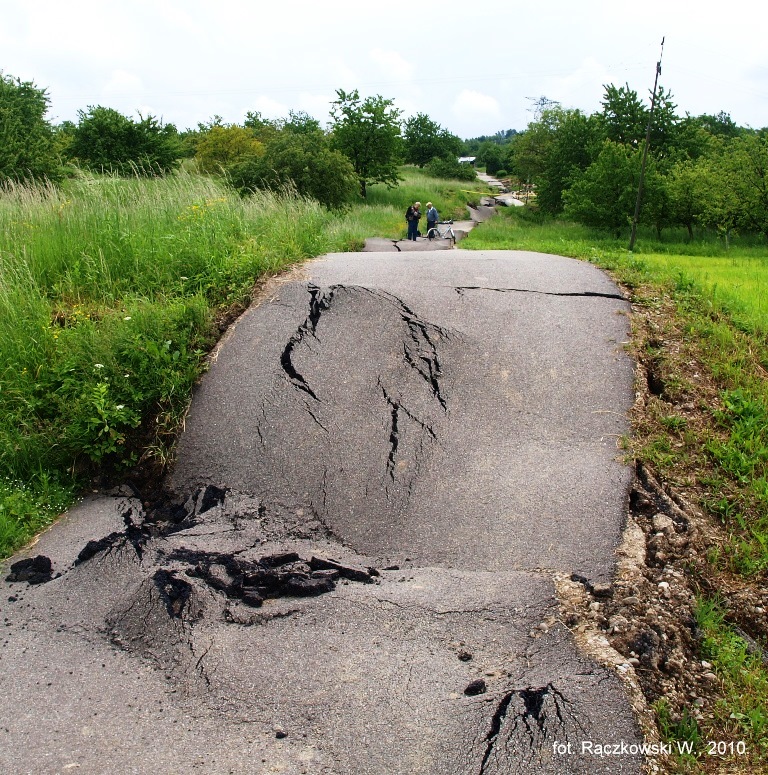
363, 575
33, 570
475, 687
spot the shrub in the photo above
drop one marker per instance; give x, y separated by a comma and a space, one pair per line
222, 147
106, 140
27, 147
450, 169
304, 161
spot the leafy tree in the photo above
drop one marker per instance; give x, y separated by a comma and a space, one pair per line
744, 168
105, 139
721, 125
367, 132
625, 117
263, 129
301, 123
221, 147
526, 154
303, 159
604, 195
687, 185
569, 143
493, 156
27, 143
655, 209
63, 135
721, 209
426, 140
502, 137
665, 127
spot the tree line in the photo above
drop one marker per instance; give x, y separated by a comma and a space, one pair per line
365, 144
703, 171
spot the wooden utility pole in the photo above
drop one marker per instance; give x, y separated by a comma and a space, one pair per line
639, 200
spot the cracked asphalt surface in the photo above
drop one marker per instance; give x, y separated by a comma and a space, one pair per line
389, 459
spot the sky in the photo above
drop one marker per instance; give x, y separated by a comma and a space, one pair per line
474, 69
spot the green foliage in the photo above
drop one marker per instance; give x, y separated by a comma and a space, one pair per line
701, 171
450, 169
688, 186
744, 455
625, 117
27, 508
222, 147
367, 132
604, 195
471, 147
27, 144
492, 156
684, 729
744, 171
449, 195
555, 150
106, 140
425, 140
721, 125
301, 158
743, 673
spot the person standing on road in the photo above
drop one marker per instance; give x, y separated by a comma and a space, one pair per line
412, 215
432, 219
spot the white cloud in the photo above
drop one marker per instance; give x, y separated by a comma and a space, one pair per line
583, 88
123, 83
392, 64
471, 104
190, 59
269, 108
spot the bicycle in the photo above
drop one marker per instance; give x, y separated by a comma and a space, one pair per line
448, 233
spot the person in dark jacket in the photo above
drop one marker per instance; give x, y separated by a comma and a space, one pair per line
432, 218
412, 215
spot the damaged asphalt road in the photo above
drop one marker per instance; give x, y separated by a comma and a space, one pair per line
391, 457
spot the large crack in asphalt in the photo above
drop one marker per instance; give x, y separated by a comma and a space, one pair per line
388, 387
461, 289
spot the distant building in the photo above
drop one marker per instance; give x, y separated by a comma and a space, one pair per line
467, 160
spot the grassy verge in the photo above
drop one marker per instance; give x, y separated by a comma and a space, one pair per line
112, 291
701, 332
450, 197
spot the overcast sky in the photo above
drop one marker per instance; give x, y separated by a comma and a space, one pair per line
475, 68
